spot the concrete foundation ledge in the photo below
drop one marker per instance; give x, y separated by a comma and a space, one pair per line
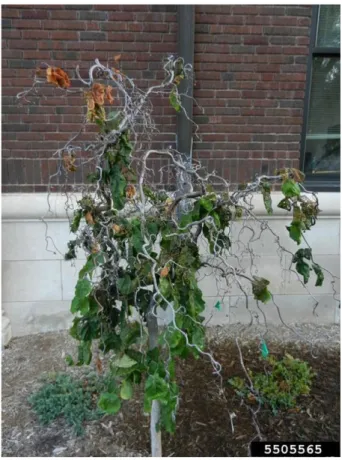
20, 206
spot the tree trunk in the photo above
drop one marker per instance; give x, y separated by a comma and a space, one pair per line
156, 442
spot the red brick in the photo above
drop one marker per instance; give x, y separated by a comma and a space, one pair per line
250, 78
22, 44
255, 40
7, 33
36, 55
9, 13
26, 24
295, 50
34, 14
69, 15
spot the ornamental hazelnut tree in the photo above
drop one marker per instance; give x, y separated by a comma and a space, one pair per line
143, 241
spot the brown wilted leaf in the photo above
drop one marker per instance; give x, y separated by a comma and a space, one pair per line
130, 192
99, 366
98, 92
69, 163
297, 175
95, 249
178, 79
116, 228
58, 77
90, 100
251, 398
164, 272
117, 57
109, 95
89, 218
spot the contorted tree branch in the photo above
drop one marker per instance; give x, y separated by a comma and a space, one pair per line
141, 258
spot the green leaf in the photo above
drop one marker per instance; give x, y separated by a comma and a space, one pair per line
80, 304
165, 287
125, 285
259, 289
168, 410
185, 220
198, 337
131, 333
266, 193
152, 228
174, 100
216, 218
156, 388
285, 204
124, 362
71, 253
118, 186
84, 353
206, 203
303, 269
137, 239
295, 231
290, 188
69, 360
302, 253
92, 262
76, 221
83, 288
196, 302
126, 391
109, 403
320, 276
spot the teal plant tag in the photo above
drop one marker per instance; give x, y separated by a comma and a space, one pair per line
264, 349
218, 305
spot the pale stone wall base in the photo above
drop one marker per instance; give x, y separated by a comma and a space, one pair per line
38, 285
6, 331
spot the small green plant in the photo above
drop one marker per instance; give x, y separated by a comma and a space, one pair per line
280, 386
74, 399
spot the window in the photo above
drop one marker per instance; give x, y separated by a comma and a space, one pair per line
321, 130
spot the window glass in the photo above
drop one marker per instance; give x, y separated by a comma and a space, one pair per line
328, 33
322, 147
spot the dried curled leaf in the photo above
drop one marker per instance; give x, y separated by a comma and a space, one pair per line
130, 192
89, 218
109, 95
58, 77
96, 99
95, 249
117, 58
298, 175
168, 205
116, 228
164, 272
98, 93
69, 163
99, 366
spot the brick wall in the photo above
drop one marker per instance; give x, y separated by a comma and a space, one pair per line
66, 36
250, 64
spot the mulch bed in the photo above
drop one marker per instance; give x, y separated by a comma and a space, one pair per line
203, 423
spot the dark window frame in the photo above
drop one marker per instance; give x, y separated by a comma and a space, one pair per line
324, 182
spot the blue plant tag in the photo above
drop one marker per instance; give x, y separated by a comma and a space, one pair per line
218, 306
264, 349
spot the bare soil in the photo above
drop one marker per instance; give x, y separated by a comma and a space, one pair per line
204, 419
